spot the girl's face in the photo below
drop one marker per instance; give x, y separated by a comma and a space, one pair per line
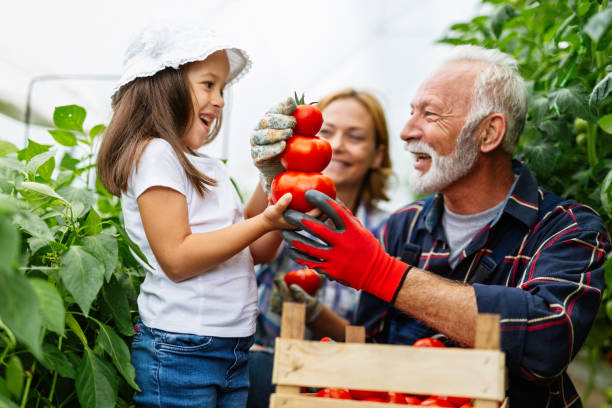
206, 80
349, 128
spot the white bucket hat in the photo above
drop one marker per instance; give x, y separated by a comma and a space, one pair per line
159, 46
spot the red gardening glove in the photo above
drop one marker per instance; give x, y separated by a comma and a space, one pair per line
349, 252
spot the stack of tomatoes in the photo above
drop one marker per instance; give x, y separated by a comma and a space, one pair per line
305, 156
398, 397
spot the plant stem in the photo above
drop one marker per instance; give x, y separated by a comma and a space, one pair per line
24, 399
592, 144
66, 400
59, 347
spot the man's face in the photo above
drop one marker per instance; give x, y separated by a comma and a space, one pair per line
443, 150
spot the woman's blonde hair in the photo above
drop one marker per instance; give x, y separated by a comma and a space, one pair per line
159, 106
376, 180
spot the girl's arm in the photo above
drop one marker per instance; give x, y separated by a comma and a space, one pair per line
266, 247
182, 254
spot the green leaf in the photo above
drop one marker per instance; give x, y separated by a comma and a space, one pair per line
116, 298
33, 225
76, 328
31, 187
93, 223
69, 117
119, 353
96, 382
15, 376
104, 248
132, 246
571, 101
51, 305
539, 109
55, 360
96, 130
31, 150
599, 24
541, 159
7, 148
19, 310
503, 14
68, 162
606, 193
42, 164
10, 163
606, 123
601, 91
82, 275
9, 243
64, 137
7, 403
81, 198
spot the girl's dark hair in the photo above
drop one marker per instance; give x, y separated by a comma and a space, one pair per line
157, 106
376, 181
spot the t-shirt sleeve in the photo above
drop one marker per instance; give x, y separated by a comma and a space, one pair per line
158, 166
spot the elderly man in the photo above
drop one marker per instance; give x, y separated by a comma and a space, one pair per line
490, 241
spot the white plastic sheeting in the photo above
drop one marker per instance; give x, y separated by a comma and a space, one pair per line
73, 49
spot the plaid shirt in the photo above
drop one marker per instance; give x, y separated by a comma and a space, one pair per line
339, 298
538, 264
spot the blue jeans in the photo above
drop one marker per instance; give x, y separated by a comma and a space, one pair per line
186, 370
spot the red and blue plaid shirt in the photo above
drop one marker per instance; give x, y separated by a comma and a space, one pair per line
538, 264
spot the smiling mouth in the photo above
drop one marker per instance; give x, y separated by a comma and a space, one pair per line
207, 119
421, 156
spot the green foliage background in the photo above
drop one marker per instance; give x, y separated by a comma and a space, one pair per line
68, 276
564, 49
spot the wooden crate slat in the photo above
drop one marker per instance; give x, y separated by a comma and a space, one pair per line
296, 401
443, 371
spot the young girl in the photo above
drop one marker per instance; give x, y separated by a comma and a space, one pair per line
198, 302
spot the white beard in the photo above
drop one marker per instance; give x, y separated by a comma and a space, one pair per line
444, 170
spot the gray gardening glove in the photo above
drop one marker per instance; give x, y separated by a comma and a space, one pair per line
268, 141
295, 294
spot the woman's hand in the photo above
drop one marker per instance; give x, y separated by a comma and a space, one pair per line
268, 140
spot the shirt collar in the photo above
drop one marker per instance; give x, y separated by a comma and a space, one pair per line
522, 201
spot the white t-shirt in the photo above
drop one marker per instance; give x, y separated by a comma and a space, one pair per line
221, 301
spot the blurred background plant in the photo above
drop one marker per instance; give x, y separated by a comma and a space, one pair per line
565, 53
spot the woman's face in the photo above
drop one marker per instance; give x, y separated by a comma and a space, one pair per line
206, 81
349, 128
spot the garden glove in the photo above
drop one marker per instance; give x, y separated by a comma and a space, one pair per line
294, 293
348, 253
268, 141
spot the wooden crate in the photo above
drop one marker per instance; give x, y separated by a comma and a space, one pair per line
475, 373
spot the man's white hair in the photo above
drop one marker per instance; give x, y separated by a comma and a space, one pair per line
498, 88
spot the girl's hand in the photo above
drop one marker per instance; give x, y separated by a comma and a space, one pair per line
273, 214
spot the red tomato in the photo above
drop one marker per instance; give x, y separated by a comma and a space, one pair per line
373, 399
436, 402
428, 342
306, 154
412, 400
308, 120
458, 401
467, 405
362, 394
306, 279
297, 183
326, 340
397, 398
335, 393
